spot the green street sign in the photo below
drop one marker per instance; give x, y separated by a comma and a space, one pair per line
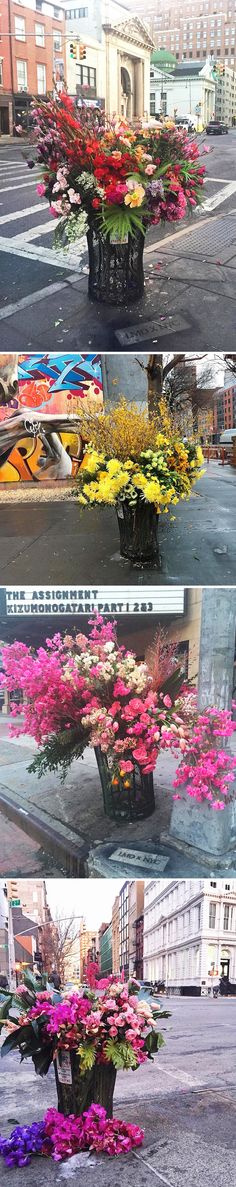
14, 902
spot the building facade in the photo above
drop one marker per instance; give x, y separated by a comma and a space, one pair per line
188, 90
112, 67
105, 950
191, 31
88, 949
124, 929
190, 933
116, 935
32, 896
225, 410
135, 910
225, 97
33, 62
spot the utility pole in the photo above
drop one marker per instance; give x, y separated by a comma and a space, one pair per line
11, 950
217, 647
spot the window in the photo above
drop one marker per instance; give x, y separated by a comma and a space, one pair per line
41, 79
226, 917
39, 35
87, 76
1, 73
57, 41
19, 28
39, 5
214, 885
56, 14
21, 70
212, 914
82, 12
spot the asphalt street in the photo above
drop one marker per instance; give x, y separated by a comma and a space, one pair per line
56, 541
185, 1101
190, 271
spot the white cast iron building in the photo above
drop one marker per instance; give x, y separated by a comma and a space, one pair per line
190, 932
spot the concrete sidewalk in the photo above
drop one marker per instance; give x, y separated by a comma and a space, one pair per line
190, 296
67, 820
56, 541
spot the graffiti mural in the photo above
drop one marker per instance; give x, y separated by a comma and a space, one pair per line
40, 414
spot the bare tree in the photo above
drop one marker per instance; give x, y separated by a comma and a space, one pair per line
57, 943
175, 378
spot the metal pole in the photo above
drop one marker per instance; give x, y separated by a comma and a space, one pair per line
11, 950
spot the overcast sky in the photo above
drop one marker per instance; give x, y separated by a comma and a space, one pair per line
92, 899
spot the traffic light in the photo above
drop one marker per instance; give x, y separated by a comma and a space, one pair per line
82, 53
73, 49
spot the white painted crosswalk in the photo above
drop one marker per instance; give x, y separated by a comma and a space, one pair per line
24, 240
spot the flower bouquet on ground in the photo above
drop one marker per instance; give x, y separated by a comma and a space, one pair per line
112, 183
88, 1036
90, 691
140, 471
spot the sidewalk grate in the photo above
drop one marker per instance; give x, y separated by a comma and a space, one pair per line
214, 235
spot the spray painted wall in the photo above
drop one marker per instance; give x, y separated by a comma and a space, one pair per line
39, 423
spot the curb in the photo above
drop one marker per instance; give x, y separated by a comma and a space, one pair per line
66, 851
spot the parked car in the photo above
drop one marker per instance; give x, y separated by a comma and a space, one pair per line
216, 128
227, 437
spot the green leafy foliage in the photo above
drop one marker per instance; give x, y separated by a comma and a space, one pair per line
59, 751
121, 1055
87, 1056
120, 222
154, 1040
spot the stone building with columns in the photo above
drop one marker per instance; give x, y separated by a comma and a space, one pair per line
115, 73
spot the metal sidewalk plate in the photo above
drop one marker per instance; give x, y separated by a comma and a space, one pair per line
137, 857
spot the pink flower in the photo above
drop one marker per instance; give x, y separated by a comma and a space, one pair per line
41, 188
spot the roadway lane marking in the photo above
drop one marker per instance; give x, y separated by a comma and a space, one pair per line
8, 188
11, 218
33, 232
59, 259
32, 299
221, 197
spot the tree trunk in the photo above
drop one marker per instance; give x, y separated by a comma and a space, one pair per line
155, 383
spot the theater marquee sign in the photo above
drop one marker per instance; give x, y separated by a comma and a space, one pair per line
30, 601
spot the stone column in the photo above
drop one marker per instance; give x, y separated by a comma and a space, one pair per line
139, 88
217, 647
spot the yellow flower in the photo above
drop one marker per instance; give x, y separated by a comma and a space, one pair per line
113, 466
199, 456
91, 462
135, 197
82, 500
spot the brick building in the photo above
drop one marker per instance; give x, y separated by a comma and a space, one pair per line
207, 28
225, 411
32, 56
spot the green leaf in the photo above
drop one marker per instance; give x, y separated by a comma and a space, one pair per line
4, 1008
87, 1056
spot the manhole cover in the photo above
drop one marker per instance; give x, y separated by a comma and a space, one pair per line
206, 240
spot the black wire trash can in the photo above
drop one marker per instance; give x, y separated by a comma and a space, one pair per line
129, 797
116, 273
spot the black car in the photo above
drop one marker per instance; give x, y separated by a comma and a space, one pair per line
216, 128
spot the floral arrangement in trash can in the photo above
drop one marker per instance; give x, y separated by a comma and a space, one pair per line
142, 472
87, 1036
84, 691
90, 691
112, 182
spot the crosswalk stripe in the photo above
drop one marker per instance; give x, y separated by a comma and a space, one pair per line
8, 177
71, 260
16, 214
23, 185
34, 232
